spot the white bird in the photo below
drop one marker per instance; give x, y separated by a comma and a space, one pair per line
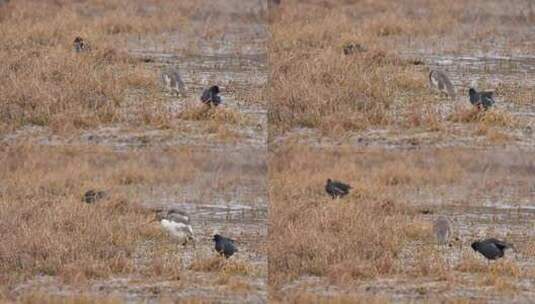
177, 224
441, 228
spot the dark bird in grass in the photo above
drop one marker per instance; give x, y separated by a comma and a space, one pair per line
491, 248
337, 189
93, 196
438, 80
224, 246
80, 45
481, 99
210, 96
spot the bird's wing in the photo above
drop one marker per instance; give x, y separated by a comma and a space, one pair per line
179, 218
342, 186
232, 246
205, 97
486, 93
500, 244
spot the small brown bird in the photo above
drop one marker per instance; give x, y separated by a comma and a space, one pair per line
92, 196
80, 45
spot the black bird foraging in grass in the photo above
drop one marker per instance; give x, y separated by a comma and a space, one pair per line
210, 96
93, 196
224, 246
337, 189
491, 248
481, 99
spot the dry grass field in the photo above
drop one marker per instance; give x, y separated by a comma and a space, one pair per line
311, 90
350, 101
102, 120
380, 90
377, 243
51, 239
48, 88
45, 83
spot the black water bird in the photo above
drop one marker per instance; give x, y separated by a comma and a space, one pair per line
337, 189
224, 246
491, 248
481, 99
210, 96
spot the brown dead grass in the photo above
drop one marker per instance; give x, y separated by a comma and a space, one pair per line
309, 297
48, 299
221, 265
354, 238
489, 118
314, 85
216, 114
374, 233
44, 82
48, 230
516, 93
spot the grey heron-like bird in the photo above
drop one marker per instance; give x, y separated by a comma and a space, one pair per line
442, 229
438, 80
173, 82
